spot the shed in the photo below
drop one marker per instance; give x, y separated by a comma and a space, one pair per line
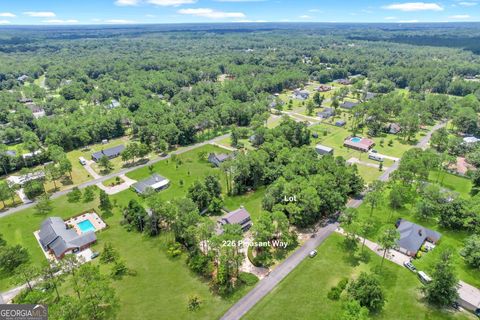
323, 150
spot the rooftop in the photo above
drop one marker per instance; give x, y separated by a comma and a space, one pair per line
412, 235
155, 182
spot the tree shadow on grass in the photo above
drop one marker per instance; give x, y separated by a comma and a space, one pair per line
349, 247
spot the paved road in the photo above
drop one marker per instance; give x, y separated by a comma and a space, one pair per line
112, 175
266, 285
278, 274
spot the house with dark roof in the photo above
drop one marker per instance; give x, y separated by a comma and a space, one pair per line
218, 159
301, 94
340, 123
393, 128
326, 113
345, 82
58, 239
155, 182
348, 105
239, 216
110, 153
323, 88
413, 236
25, 100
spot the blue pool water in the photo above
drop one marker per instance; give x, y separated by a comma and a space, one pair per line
86, 226
356, 139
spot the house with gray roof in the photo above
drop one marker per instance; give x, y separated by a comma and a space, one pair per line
348, 105
413, 236
56, 237
326, 113
239, 216
22, 78
113, 104
110, 153
323, 150
218, 159
155, 182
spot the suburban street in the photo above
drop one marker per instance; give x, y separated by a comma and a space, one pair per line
116, 174
266, 285
278, 274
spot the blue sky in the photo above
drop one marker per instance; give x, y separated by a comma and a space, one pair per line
51, 12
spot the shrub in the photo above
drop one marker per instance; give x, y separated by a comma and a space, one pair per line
248, 279
334, 293
174, 250
342, 284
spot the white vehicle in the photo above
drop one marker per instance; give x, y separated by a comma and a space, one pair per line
82, 161
423, 277
312, 253
375, 157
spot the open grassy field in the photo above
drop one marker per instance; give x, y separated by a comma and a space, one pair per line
303, 293
166, 284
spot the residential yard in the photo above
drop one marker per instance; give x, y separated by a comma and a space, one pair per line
450, 181
303, 293
385, 216
166, 283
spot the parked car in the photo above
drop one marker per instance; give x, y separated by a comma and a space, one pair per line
94, 255
424, 277
82, 161
312, 253
410, 266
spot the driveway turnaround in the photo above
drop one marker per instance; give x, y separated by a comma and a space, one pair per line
268, 283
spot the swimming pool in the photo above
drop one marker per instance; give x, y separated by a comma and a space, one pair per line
86, 226
356, 139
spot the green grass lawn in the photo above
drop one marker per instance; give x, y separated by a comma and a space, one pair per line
454, 240
113, 182
450, 181
303, 293
165, 284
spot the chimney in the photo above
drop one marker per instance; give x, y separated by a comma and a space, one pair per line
420, 232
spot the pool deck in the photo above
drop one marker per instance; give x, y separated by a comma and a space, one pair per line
93, 217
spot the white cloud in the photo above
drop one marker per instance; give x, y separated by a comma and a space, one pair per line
408, 21
7, 14
390, 18
414, 6
251, 21
239, 0
60, 21
4, 22
460, 16
124, 3
305, 16
171, 3
467, 4
119, 21
314, 10
211, 13
40, 14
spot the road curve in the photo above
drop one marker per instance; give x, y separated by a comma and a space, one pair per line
115, 174
266, 285
278, 274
